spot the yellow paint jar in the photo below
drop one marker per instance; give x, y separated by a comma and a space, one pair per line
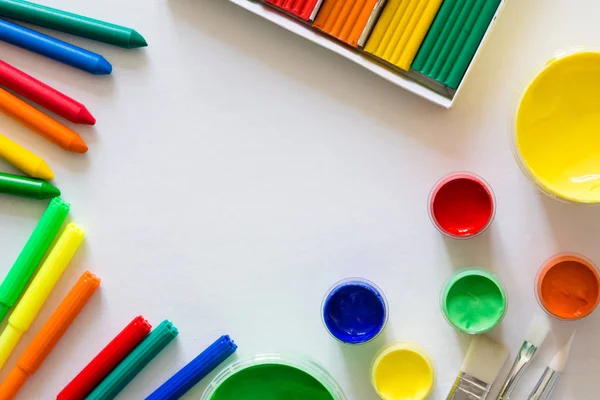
402, 371
557, 128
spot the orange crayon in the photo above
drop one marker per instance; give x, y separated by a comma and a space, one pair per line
43, 343
41, 123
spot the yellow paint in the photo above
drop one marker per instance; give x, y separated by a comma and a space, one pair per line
39, 289
557, 128
402, 371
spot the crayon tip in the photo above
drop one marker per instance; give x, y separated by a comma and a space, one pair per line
136, 40
78, 146
85, 117
49, 191
43, 171
103, 67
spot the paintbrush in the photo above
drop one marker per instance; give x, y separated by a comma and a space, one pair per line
545, 386
481, 366
537, 332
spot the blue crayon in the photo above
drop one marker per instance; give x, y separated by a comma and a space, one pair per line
53, 48
198, 368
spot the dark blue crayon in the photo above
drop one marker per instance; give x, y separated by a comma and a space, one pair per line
53, 48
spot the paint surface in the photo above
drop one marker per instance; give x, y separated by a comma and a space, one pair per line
271, 382
402, 372
569, 289
557, 129
474, 302
354, 312
462, 206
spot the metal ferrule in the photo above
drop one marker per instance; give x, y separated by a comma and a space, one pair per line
525, 355
545, 385
467, 387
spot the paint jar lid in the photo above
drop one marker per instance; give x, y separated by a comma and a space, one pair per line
298, 363
474, 301
554, 129
567, 286
462, 205
354, 311
402, 370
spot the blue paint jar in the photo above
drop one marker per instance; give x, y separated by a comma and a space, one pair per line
355, 311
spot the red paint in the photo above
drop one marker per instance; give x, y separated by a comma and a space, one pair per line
462, 205
302, 9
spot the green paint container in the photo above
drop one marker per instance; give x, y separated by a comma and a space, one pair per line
474, 301
273, 377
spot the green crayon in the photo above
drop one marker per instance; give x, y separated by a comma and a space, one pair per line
15, 281
73, 24
27, 187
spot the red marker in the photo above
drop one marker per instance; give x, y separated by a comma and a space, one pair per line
44, 95
106, 360
462, 205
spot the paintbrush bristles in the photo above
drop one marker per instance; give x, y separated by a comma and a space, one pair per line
560, 359
484, 359
538, 330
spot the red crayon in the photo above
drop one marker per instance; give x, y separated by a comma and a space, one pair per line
44, 95
106, 360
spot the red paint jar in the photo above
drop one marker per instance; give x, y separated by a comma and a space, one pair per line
462, 205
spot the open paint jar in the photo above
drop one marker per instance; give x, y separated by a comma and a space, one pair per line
556, 130
568, 286
462, 205
474, 301
273, 377
354, 311
402, 371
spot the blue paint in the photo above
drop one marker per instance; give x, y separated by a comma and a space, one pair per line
354, 311
53, 48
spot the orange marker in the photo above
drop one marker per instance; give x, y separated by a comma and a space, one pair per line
41, 123
43, 343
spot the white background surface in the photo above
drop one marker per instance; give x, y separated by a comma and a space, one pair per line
237, 171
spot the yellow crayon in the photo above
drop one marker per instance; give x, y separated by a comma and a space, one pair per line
39, 289
24, 159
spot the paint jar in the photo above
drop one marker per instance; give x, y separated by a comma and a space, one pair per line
567, 286
273, 376
354, 311
462, 205
555, 128
402, 371
474, 301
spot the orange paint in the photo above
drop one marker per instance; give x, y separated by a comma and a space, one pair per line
568, 286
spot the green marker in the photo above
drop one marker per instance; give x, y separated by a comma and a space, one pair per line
73, 24
124, 373
27, 187
12, 286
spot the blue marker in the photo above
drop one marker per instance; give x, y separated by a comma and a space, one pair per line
197, 369
53, 48
355, 311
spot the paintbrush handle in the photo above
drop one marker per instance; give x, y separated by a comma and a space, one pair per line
522, 361
545, 386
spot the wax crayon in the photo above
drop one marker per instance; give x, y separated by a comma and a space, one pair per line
44, 95
50, 334
25, 160
74, 24
17, 185
40, 123
53, 48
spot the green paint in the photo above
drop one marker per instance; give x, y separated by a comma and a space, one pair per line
271, 382
474, 301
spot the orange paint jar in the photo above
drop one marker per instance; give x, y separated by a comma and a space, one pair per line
568, 286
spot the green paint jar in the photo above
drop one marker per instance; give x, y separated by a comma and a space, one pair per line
273, 377
474, 301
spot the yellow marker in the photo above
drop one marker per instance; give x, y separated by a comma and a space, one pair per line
24, 159
39, 289
557, 128
402, 371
